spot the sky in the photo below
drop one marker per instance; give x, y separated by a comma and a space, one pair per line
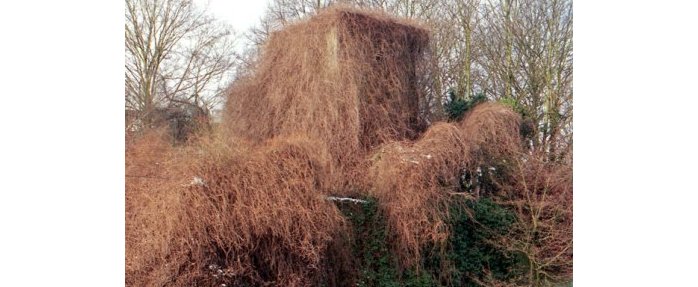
240, 14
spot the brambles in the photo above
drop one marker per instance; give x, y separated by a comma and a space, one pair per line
346, 77
333, 109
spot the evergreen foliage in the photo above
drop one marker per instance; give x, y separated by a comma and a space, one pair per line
457, 105
474, 223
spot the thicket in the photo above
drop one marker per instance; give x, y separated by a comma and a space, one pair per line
334, 110
468, 260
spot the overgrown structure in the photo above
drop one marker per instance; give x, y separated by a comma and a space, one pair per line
333, 108
345, 77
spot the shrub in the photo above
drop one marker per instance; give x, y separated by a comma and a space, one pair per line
457, 106
469, 260
471, 255
377, 266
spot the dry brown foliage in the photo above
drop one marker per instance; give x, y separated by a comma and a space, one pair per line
332, 108
540, 193
411, 181
261, 214
256, 214
538, 190
414, 181
493, 131
154, 179
345, 77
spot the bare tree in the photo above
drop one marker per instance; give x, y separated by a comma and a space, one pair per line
466, 18
539, 192
175, 54
280, 13
526, 50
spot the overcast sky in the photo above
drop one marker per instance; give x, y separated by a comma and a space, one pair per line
241, 14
